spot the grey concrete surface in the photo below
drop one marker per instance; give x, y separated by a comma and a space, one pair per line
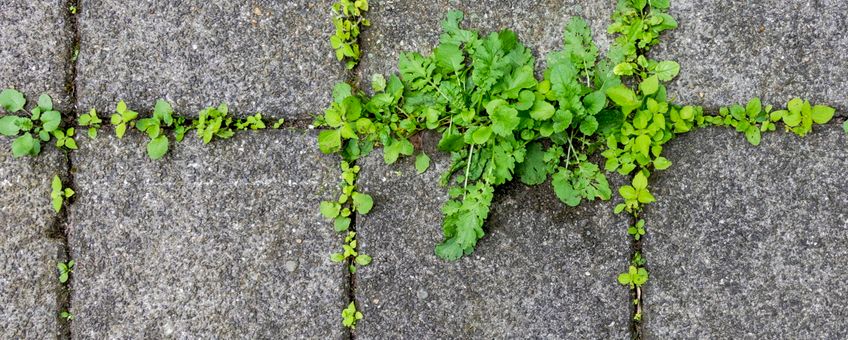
29, 251
749, 242
544, 270
260, 56
200, 243
36, 48
730, 51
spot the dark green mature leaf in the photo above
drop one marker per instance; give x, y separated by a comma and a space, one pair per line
533, 170
504, 117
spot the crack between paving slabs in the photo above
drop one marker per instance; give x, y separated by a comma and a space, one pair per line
59, 227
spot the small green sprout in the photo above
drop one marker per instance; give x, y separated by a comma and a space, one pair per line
65, 270
350, 316
91, 120
59, 194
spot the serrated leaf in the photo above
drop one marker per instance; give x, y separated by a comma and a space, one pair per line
504, 118
533, 170
23, 145
542, 110
625, 98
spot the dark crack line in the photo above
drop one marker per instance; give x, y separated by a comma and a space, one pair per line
635, 247
60, 223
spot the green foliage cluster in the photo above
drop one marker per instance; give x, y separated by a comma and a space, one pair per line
349, 201
65, 270
58, 195
212, 122
348, 18
349, 251
42, 124
350, 316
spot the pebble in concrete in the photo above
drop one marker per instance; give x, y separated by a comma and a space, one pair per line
198, 244
749, 242
544, 270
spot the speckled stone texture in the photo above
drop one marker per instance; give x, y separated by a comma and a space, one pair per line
267, 56
730, 51
29, 284
36, 48
543, 271
220, 240
749, 242
411, 25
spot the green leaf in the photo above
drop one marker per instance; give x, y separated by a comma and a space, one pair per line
120, 130
56, 184
643, 145
595, 102
363, 260
337, 257
329, 141
422, 163
330, 210
533, 170
11, 100
392, 152
504, 118
640, 182
341, 224
845, 126
667, 70
752, 134
23, 145
449, 57
650, 86
157, 147
822, 114
662, 163
564, 190
753, 107
51, 120
362, 202
589, 125
625, 98
542, 110
481, 135
9, 126
45, 103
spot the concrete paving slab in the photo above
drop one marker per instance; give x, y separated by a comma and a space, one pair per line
221, 240
731, 51
29, 283
749, 242
544, 270
259, 56
36, 48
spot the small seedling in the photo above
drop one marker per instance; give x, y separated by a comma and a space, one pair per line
350, 252
65, 139
65, 270
349, 201
214, 122
279, 123
72, 9
638, 230
634, 277
66, 315
251, 122
59, 194
91, 120
154, 127
123, 118
350, 316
